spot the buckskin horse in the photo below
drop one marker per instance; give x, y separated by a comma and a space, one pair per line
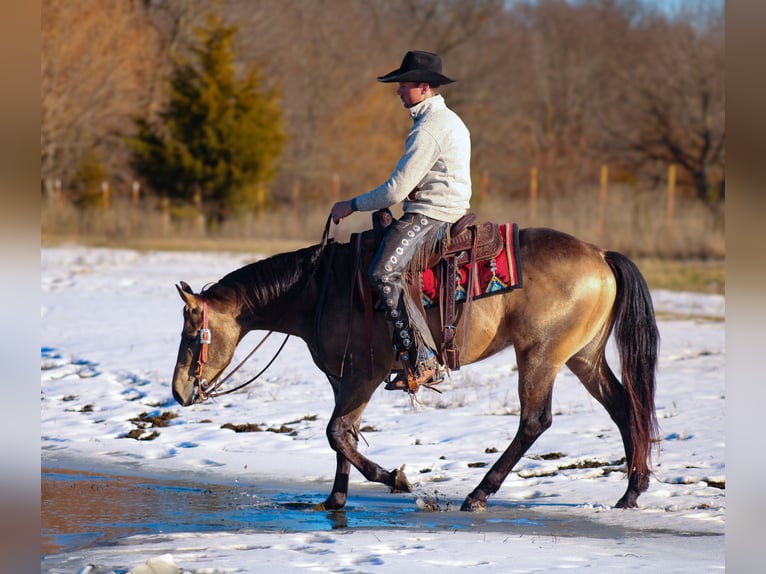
575, 295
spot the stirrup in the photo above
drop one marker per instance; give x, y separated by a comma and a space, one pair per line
408, 382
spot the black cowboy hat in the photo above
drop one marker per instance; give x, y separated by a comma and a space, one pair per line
419, 66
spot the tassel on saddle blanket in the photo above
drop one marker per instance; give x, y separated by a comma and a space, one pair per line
480, 260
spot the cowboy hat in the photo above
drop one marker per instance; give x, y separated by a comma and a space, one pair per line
418, 66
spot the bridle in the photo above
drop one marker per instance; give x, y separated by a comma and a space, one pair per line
207, 390
204, 341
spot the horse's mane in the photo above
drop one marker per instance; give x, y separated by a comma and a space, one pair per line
258, 284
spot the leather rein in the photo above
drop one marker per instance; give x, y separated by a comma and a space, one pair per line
207, 390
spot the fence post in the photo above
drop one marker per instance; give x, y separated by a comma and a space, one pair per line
136, 190
50, 194
164, 216
57, 192
295, 201
671, 193
602, 200
260, 201
105, 193
533, 197
335, 188
199, 218
484, 189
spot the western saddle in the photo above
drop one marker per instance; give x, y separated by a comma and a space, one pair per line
465, 243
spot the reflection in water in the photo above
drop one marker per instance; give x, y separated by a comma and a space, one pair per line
338, 518
87, 508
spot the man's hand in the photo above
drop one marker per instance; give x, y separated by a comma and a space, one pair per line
340, 210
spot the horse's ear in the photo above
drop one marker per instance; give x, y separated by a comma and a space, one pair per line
186, 294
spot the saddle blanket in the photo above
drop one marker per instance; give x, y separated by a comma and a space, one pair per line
491, 276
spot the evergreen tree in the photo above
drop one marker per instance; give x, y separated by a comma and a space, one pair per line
219, 137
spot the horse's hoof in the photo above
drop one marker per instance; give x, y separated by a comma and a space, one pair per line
333, 502
627, 502
401, 484
473, 505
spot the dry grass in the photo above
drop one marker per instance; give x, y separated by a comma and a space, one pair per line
687, 255
696, 275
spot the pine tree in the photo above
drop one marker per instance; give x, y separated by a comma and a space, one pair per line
219, 137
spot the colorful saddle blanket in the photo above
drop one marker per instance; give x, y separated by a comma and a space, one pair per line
492, 276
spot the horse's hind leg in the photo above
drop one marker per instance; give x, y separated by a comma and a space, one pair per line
535, 391
591, 368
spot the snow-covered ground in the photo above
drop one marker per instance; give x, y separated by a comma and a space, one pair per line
111, 321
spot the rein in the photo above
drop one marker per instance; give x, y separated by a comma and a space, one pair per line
211, 390
207, 390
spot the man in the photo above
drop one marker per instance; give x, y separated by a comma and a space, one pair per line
433, 181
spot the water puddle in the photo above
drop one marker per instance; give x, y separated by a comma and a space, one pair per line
83, 509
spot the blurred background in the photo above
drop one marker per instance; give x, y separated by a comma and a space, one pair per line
236, 124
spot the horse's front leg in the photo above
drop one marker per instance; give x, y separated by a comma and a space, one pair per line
339, 493
342, 435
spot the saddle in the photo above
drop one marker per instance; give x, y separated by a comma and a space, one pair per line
466, 243
469, 241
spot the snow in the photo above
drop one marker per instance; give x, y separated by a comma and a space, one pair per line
111, 321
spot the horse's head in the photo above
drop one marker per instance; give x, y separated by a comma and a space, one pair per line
208, 340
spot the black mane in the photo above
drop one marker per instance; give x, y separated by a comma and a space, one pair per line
261, 283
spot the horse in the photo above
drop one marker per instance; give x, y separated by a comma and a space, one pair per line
575, 296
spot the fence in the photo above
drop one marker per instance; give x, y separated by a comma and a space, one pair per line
638, 222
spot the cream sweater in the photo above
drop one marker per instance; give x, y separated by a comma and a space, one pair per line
435, 169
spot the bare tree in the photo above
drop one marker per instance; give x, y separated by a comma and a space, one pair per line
538, 82
672, 96
558, 85
326, 56
96, 71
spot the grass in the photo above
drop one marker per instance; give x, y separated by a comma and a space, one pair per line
698, 276
689, 256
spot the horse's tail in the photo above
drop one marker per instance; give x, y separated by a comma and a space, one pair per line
637, 337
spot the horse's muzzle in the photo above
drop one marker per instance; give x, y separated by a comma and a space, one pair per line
187, 397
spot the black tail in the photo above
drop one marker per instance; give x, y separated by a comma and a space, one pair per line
637, 336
